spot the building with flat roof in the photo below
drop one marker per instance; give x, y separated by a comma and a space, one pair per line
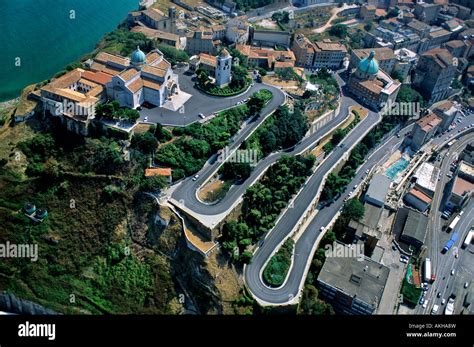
447, 111
406, 61
270, 38
353, 286
434, 73
367, 230
425, 128
461, 191
367, 12
467, 155
427, 12
426, 177
414, 230
318, 54
377, 192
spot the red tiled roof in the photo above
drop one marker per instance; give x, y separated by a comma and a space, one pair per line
150, 172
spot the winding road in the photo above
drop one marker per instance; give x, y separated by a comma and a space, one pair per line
184, 197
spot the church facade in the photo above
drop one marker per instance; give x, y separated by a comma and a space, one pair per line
143, 78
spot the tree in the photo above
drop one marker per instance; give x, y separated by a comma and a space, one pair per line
239, 77
339, 30
172, 54
393, 13
338, 136
308, 94
202, 77
145, 142
106, 157
407, 94
369, 26
353, 209
153, 183
246, 257
396, 75
236, 170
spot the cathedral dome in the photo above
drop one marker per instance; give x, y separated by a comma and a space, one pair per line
138, 57
369, 65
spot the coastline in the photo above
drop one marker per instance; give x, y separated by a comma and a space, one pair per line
9, 103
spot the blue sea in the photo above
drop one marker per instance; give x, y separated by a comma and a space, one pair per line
40, 37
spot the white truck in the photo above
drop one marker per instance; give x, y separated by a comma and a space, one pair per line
468, 239
449, 307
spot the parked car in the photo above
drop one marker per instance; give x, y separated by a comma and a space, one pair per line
466, 284
201, 116
452, 272
403, 260
435, 309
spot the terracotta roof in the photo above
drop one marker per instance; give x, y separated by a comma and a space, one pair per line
136, 85
329, 46
150, 172
429, 122
283, 64
151, 84
152, 57
95, 91
373, 86
96, 66
87, 83
105, 57
127, 75
154, 14
420, 195
455, 43
441, 56
67, 79
98, 77
461, 186
383, 53
207, 59
155, 71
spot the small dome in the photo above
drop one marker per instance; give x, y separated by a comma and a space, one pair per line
138, 57
369, 65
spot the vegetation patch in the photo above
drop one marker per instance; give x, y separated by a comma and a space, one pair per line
277, 268
262, 204
198, 141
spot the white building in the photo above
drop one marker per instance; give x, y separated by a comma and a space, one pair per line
426, 178
223, 68
143, 78
237, 31
406, 60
